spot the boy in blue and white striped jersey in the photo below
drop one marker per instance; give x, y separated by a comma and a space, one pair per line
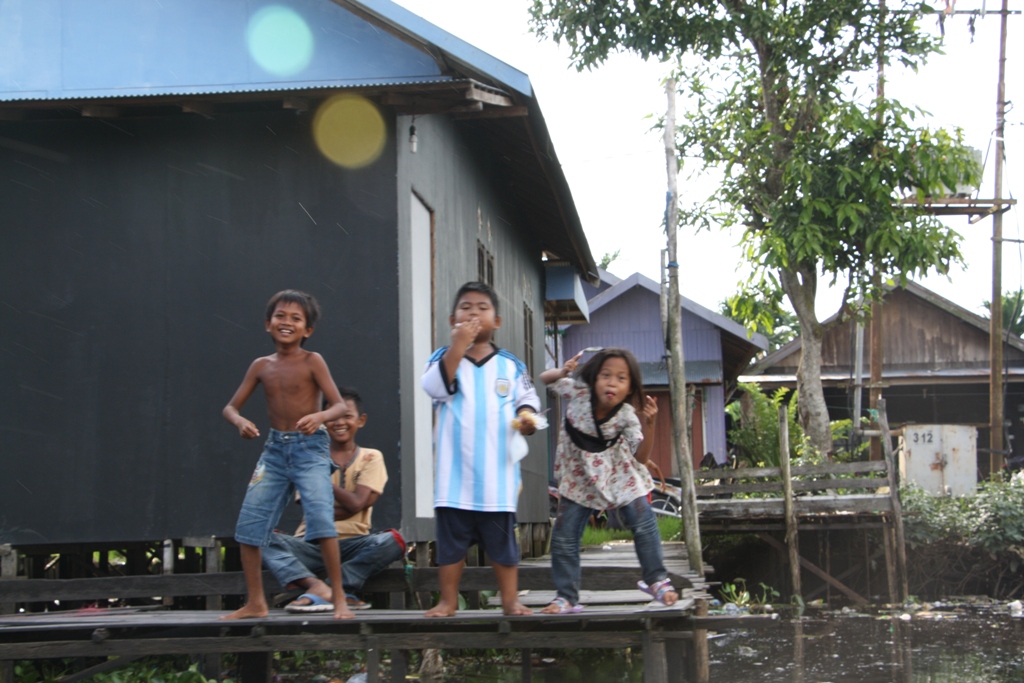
479, 391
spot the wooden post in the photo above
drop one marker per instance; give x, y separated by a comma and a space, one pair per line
526, 655
254, 667
655, 669
399, 665
213, 564
701, 657
8, 572
676, 366
996, 408
897, 507
372, 661
792, 542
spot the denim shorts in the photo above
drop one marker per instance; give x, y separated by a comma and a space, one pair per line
458, 529
291, 461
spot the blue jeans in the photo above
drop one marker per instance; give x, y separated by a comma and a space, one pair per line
565, 544
290, 461
290, 559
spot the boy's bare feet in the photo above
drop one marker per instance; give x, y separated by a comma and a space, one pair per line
515, 609
248, 611
341, 611
442, 609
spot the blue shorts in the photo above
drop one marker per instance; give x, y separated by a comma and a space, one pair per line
291, 461
459, 529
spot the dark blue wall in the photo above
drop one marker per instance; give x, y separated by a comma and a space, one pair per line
136, 258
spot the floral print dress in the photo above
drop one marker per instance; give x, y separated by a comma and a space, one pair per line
611, 477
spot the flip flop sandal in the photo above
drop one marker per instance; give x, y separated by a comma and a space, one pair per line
355, 603
658, 590
316, 604
564, 607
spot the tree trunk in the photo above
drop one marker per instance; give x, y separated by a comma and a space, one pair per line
801, 287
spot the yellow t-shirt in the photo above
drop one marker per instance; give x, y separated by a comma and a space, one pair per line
366, 469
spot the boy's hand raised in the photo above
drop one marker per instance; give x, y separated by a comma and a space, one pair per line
464, 333
247, 429
309, 423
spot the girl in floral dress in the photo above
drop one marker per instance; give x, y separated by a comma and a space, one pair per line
607, 438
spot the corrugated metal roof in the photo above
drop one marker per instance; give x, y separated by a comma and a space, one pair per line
56, 50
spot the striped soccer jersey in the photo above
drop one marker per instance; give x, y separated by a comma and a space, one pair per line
472, 430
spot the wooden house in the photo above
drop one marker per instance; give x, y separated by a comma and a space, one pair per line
627, 313
935, 370
168, 166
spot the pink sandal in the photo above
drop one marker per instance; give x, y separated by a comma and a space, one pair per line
658, 590
564, 607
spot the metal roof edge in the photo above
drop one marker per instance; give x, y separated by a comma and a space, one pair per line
459, 51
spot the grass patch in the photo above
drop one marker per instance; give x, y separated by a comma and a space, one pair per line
671, 529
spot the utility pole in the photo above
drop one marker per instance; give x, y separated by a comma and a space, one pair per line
676, 367
995, 397
875, 329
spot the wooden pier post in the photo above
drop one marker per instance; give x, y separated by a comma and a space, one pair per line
792, 542
897, 507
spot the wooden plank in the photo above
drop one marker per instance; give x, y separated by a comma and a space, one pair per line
798, 485
409, 641
233, 583
753, 507
739, 473
655, 669
480, 95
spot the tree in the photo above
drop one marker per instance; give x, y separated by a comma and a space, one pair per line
811, 170
782, 328
608, 258
1013, 311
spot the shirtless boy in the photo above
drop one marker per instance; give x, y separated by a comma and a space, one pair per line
297, 451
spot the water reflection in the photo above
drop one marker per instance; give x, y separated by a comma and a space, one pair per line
967, 645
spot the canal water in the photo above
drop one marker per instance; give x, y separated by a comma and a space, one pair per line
935, 643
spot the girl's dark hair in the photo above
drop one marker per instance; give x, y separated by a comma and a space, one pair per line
589, 371
293, 296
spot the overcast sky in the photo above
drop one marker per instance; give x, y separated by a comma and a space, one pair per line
615, 165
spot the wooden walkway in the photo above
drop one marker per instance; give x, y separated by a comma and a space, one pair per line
673, 639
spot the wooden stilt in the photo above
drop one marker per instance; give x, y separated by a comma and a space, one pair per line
655, 670
372, 661
897, 507
254, 667
6, 671
890, 563
675, 660
792, 542
526, 654
8, 571
399, 665
701, 658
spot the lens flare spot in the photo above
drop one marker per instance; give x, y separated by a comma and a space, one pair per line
349, 130
279, 40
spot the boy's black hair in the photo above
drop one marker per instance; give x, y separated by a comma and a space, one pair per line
349, 394
481, 287
589, 371
293, 296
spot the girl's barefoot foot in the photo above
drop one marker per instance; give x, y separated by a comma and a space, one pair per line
516, 609
441, 609
248, 611
341, 611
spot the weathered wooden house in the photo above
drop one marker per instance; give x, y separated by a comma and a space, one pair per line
168, 166
935, 370
627, 313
